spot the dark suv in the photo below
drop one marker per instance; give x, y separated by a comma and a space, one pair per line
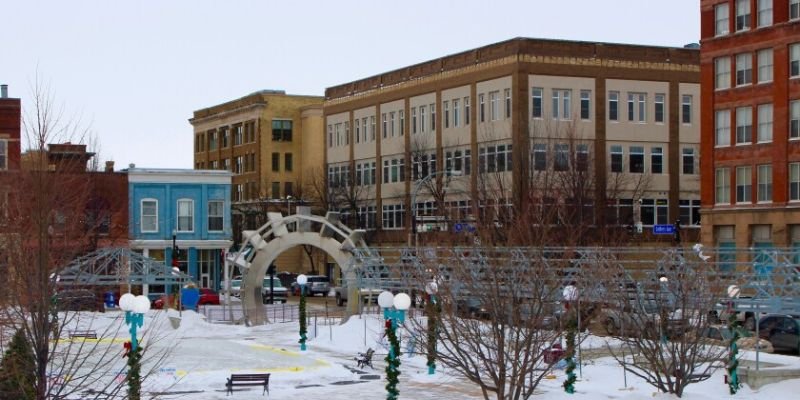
783, 331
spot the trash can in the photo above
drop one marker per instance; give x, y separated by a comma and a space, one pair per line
109, 300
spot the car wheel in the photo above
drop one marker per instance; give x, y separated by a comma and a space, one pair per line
339, 301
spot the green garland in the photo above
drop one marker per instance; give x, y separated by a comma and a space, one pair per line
134, 378
433, 311
733, 362
302, 312
392, 363
569, 384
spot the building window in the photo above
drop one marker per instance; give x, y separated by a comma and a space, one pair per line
636, 159
466, 111
402, 116
212, 140
494, 106
185, 215
690, 212
585, 103
238, 164
659, 117
723, 128
764, 183
391, 124
656, 160
794, 9
723, 186
794, 60
384, 122
686, 109
536, 102
744, 125
764, 13
744, 69
654, 211
688, 160
223, 135
722, 72
276, 162
422, 118
276, 190
459, 160
238, 132
149, 218
561, 157
481, 108
433, 117
539, 157
742, 15
637, 103
394, 170
744, 184
446, 115
330, 135
794, 181
393, 216
613, 106
413, 119
764, 65
282, 130
616, 158
215, 216
561, 101
365, 173
794, 119
346, 132
495, 158
3, 155
765, 123
423, 165
722, 23
508, 103
366, 217
582, 157
456, 113
358, 130
288, 162
288, 189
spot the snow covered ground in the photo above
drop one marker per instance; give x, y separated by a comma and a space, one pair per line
202, 355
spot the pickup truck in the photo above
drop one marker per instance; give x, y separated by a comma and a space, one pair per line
279, 292
366, 294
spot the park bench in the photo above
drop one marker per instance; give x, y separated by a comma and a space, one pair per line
365, 359
87, 334
248, 380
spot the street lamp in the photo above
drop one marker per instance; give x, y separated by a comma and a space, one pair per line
401, 303
301, 281
432, 288
570, 294
417, 186
135, 307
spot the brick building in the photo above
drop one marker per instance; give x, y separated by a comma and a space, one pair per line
750, 139
10, 120
509, 113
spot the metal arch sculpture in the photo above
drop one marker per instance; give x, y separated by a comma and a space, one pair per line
262, 247
118, 266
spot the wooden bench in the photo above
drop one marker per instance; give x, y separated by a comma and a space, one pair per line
365, 359
248, 380
88, 334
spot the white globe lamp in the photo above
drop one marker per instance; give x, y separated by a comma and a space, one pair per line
386, 299
402, 301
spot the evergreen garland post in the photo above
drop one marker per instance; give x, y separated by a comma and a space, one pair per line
17, 378
134, 373
569, 384
302, 312
733, 362
392, 362
433, 313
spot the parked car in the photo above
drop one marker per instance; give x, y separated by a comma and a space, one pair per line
78, 300
720, 335
317, 284
208, 296
783, 331
236, 286
279, 292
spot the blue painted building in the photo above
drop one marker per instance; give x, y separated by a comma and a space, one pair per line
185, 209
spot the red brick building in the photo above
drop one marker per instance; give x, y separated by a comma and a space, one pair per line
750, 124
10, 120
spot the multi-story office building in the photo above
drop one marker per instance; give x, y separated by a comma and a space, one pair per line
750, 66
624, 118
10, 120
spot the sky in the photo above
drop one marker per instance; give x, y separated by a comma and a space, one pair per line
133, 72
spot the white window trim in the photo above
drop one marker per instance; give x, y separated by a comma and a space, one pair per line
141, 215
208, 216
5, 156
178, 216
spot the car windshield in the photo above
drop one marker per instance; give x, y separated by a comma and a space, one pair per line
236, 283
275, 283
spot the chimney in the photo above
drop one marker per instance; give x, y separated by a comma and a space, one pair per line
3, 91
109, 166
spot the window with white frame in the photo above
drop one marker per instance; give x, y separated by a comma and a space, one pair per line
561, 157
456, 113
616, 158
413, 119
365, 173
742, 15
764, 13
613, 106
722, 185
346, 133
722, 73
372, 128
446, 113
330, 135
723, 128
721, 20
582, 157
3, 154
338, 175
764, 183
185, 215
794, 60
656, 160
422, 119
466, 111
507, 93
636, 159
654, 211
358, 130
744, 125
494, 105
216, 219
794, 9
458, 160
561, 103
393, 216
690, 212
384, 125
688, 160
432, 107
764, 123
364, 129
481, 108
794, 119
744, 69
764, 65
394, 170
496, 158
659, 109
149, 216
744, 184
423, 165
540, 157
391, 124
586, 104
367, 217
536, 102
402, 124
637, 105
794, 181
686, 109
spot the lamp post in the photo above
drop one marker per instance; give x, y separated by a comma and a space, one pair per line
301, 281
415, 191
135, 307
570, 295
433, 312
393, 316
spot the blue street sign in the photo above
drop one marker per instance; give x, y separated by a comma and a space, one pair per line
458, 227
663, 229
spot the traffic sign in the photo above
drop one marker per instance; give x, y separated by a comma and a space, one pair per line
663, 229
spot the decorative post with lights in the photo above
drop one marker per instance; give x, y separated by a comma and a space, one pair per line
393, 316
433, 312
570, 295
135, 307
301, 281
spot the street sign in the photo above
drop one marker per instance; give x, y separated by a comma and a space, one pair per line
663, 229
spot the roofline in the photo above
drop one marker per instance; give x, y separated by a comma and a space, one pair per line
256, 98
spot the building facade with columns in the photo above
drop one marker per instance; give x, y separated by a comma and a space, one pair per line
625, 117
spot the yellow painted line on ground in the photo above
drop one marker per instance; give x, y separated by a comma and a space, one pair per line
103, 340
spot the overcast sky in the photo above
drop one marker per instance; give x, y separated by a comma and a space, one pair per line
136, 70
